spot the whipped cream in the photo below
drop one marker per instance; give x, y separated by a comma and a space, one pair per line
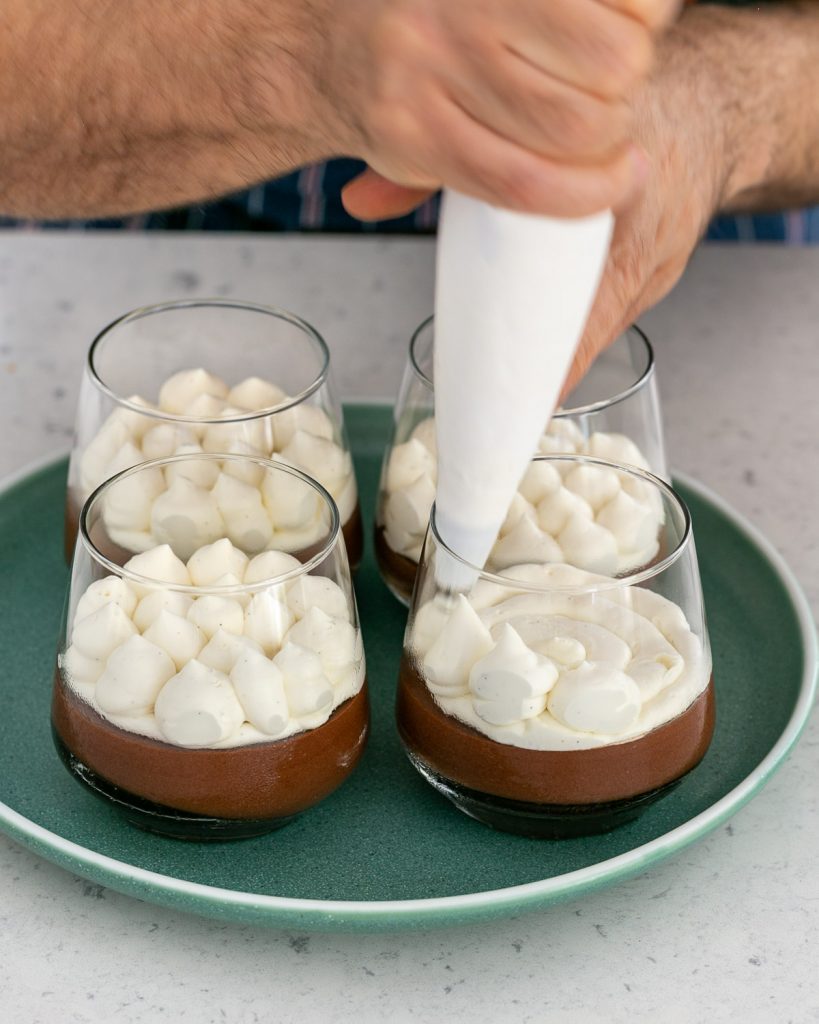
589, 516
214, 670
201, 500
558, 670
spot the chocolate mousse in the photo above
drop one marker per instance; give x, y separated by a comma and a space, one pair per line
550, 793
207, 713
201, 793
557, 702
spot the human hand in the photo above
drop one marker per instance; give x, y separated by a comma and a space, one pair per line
681, 128
523, 104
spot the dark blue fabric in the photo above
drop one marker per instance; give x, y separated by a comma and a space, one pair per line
275, 206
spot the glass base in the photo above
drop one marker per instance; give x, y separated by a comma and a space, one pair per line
165, 821
540, 821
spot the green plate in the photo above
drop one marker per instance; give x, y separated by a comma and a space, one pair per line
386, 851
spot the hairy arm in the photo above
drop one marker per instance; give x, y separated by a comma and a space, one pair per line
730, 122
110, 106
764, 65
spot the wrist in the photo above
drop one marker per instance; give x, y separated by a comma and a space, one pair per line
757, 86
702, 63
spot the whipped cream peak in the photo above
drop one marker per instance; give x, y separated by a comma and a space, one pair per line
211, 613
462, 641
96, 635
510, 683
309, 691
223, 650
183, 388
596, 698
332, 639
161, 565
198, 707
209, 563
256, 394
133, 676
109, 590
270, 564
259, 685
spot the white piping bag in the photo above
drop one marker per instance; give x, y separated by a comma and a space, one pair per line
513, 293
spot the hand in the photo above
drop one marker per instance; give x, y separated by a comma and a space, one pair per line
679, 123
522, 103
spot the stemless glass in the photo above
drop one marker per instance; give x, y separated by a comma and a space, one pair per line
551, 700
614, 413
206, 687
212, 375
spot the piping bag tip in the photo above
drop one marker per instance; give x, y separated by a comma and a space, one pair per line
459, 572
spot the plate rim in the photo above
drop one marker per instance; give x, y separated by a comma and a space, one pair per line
350, 914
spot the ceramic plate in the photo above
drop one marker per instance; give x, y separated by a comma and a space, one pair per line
385, 851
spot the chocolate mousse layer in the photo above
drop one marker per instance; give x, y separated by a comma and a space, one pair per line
397, 570
263, 781
353, 531
616, 772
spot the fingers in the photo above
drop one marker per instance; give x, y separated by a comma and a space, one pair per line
523, 105
372, 197
557, 120
483, 164
587, 44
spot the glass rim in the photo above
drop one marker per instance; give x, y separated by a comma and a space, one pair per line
98, 494
599, 583
175, 304
577, 410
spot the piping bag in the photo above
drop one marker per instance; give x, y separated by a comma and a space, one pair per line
513, 293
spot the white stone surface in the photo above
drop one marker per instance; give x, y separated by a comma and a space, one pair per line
726, 931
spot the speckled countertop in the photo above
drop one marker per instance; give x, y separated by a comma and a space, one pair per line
725, 931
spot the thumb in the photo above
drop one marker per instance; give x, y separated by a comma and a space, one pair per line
372, 197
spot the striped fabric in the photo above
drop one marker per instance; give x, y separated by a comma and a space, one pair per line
306, 200
310, 200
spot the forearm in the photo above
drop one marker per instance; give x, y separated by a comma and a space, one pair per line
760, 70
112, 107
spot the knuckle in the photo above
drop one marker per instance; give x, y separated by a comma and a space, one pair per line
624, 59
514, 183
589, 126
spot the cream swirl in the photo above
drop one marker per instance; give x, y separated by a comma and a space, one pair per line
559, 670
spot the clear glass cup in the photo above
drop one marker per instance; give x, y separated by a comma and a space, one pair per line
614, 413
554, 701
204, 687
212, 375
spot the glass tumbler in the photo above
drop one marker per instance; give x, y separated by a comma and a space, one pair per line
553, 699
212, 375
614, 413
205, 687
